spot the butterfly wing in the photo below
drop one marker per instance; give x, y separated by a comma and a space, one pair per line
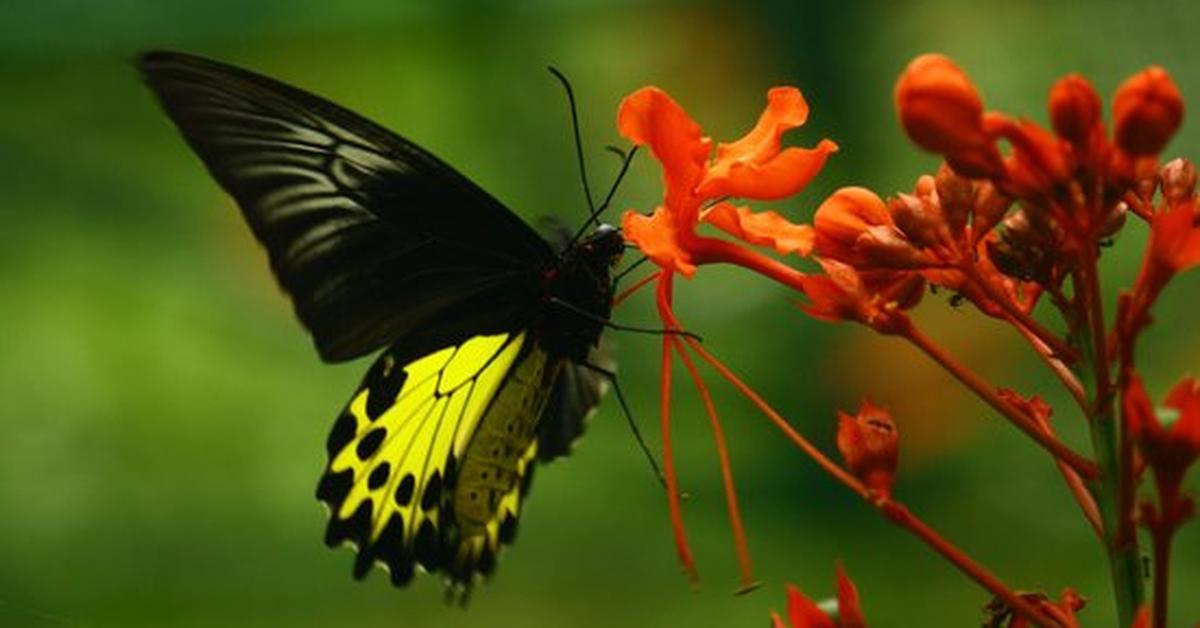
373, 237
429, 461
573, 401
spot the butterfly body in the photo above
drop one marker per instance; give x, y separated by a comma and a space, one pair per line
490, 335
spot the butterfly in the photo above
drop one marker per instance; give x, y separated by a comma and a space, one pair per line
489, 333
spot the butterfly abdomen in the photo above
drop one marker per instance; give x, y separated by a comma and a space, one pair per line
486, 501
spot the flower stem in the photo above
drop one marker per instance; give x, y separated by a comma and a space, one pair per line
1061, 350
1119, 542
904, 518
709, 250
1067, 377
1162, 570
1081, 465
891, 509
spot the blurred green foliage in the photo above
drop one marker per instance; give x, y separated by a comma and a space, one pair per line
164, 416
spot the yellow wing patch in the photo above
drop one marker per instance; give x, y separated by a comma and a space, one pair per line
396, 454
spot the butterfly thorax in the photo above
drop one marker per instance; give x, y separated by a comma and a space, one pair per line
578, 294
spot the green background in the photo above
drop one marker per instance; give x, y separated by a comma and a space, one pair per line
164, 417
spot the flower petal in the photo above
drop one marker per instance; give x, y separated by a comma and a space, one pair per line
652, 118
786, 109
849, 613
657, 237
1185, 397
766, 228
804, 613
781, 176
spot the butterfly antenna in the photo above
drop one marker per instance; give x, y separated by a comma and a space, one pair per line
626, 160
633, 426
587, 189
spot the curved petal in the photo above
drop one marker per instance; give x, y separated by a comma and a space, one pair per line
652, 118
781, 176
786, 109
766, 228
849, 612
803, 612
657, 237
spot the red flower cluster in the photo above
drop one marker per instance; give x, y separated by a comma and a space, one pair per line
1016, 215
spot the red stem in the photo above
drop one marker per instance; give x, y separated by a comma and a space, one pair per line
1081, 465
1061, 370
1083, 497
904, 518
1056, 344
709, 250
1162, 570
892, 510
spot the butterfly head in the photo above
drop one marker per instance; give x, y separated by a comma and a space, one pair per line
605, 243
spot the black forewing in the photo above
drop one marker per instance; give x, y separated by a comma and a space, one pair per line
372, 236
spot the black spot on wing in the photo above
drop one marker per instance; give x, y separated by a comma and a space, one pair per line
383, 384
334, 487
356, 528
487, 561
433, 491
508, 529
342, 433
404, 492
370, 443
427, 548
451, 471
389, 548
379, 476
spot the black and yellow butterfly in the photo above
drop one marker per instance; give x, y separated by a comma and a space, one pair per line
490, 332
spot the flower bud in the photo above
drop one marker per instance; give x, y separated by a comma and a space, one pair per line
920, 218
990, 207
1147, 111
845, 216
1074, 108
1178, 180
956, 195
942, 112
869, 444
1020, 250
884, 247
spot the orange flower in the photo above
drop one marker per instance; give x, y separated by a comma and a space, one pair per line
754, 167
695, 188
804, 613
869, 443
1169, 438
1174, 244
1147, 110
